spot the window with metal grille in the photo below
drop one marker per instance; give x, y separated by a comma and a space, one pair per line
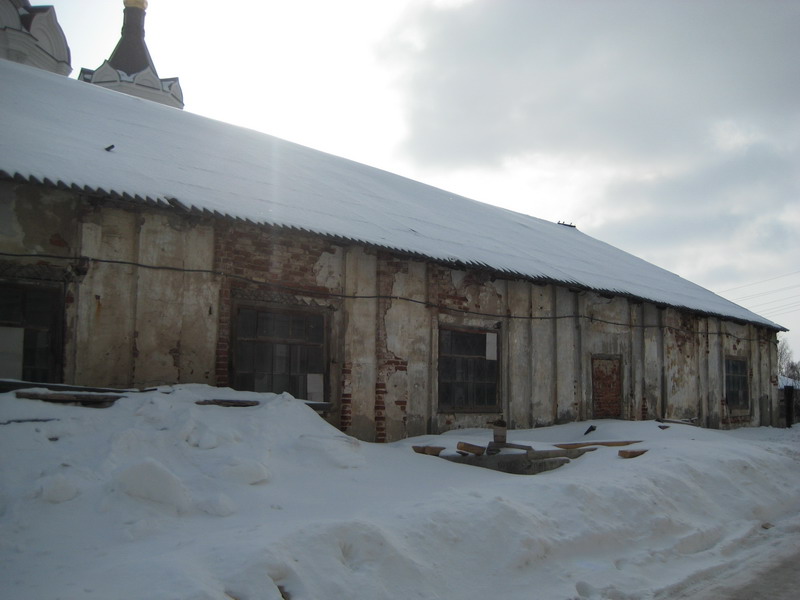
276, 351
737, 395
468, 371
30, 333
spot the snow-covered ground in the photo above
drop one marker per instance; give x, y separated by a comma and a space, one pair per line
158, 497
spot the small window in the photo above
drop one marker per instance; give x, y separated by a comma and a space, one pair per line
30, 333
468, 371
737, 395
278, 352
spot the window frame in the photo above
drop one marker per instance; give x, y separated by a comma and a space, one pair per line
739, 407
288, 311
54, 330
450, 407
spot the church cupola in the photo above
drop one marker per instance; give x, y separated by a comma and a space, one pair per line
130, 69
131, 55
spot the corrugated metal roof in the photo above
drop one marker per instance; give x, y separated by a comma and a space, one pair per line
76, 135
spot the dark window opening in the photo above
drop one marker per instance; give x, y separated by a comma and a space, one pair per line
468, 371
30, 333
280, 352
737, 395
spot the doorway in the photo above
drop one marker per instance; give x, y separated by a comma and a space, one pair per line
607, 387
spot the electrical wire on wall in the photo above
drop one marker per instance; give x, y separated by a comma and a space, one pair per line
335, 295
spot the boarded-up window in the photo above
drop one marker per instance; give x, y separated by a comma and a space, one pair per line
277, 351
737, 395
30, 321
468, 371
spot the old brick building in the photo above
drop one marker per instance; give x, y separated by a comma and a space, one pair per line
164, 248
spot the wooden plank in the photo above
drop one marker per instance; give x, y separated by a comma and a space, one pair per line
563, 453
471, 448
574, 445
630, 453
495, 447
514, 464
11, 385
678, 422
92, 400
228, 403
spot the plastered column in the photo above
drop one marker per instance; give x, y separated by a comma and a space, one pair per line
359, 367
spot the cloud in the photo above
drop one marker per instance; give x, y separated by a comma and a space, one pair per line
733, 184
632, 80
739, 208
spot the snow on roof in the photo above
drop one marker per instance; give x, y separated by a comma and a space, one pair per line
57, 130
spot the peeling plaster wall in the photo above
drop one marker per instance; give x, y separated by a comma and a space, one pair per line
36, 219
175, 326
359, 371
407, 353
126, 325
521, 362
384, 343
568, 372
606, 332
467, 299
269, 268
140, 326
672, 363
39, 236
103, 347
681, 360
544, 344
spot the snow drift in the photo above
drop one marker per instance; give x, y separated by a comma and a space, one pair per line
158, 497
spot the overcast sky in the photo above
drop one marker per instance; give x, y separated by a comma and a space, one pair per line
669, 129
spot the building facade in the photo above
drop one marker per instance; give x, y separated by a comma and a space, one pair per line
106, 292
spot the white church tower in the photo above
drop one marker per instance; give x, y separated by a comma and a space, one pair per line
130, 69
32, 36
